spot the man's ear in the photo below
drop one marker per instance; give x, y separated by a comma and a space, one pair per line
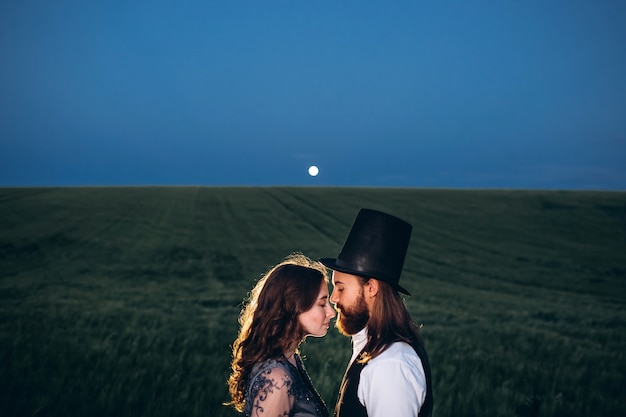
371, 288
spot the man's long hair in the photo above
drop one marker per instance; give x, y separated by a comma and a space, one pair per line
269, 323
389, 322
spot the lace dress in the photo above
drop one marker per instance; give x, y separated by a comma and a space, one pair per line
308, 402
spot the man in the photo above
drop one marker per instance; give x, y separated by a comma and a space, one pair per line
389, 373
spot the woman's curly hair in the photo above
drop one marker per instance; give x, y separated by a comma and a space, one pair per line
269, 323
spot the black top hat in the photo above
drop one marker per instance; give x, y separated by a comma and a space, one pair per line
376, 247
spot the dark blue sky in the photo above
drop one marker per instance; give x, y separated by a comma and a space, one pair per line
482, 94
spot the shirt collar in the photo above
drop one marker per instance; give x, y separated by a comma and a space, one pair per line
359, 340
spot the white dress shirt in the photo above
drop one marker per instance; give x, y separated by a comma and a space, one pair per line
393, 383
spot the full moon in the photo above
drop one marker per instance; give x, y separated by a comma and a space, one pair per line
313, 170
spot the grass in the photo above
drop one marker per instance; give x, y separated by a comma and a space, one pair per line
123, 301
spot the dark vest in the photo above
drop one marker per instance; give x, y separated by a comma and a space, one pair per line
348, 404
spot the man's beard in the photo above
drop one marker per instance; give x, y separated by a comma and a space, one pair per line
352, 320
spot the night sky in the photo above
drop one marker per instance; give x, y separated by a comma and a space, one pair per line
467, 94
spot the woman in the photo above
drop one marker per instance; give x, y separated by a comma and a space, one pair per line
268, 377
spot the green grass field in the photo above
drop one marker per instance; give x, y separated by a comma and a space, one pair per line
124, 301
